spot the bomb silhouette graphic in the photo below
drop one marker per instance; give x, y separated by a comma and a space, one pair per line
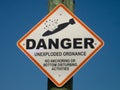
59, 28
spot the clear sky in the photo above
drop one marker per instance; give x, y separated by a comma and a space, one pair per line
17, 72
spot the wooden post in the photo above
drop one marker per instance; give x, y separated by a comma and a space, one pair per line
67, 86
70, 5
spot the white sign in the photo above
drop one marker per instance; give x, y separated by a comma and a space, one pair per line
60, 44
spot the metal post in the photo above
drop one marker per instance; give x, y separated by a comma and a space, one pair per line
70, 5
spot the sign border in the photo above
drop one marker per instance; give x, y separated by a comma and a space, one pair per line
80, 65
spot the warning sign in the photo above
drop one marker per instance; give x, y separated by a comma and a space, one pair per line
60, 44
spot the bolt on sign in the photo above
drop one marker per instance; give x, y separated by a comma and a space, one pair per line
60, 44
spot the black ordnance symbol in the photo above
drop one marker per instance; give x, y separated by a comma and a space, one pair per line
59, 28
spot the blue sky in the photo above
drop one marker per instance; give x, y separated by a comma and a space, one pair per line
17, 72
